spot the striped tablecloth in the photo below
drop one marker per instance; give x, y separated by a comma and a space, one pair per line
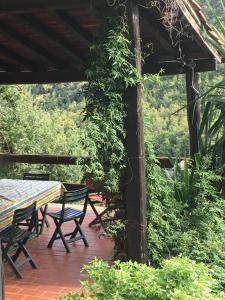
16, 194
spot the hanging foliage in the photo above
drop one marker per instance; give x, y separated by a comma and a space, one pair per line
110, 73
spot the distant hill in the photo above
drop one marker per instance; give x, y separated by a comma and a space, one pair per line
216, 4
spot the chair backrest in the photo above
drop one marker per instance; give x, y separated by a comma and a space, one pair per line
23, 214
36, 176
75, 195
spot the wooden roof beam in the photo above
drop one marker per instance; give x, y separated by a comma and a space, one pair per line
8, 67
41, 77
175, 67
71, 25
57, 38
33, 47
6, 158
12, 7
168, 57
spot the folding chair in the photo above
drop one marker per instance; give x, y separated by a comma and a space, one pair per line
94, 199
43, 210
14, 236
68, 214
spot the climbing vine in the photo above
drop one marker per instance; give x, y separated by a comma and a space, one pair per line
110, 73
105, 110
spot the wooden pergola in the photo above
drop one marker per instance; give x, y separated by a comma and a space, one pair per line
48, 41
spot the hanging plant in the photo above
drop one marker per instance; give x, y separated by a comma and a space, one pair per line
109, 74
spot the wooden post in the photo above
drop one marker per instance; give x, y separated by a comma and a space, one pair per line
136, 181
2, 294
193, 110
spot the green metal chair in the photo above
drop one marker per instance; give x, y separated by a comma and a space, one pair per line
70, 214
16, 238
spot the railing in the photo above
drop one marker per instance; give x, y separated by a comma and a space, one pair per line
164, 162
37, 159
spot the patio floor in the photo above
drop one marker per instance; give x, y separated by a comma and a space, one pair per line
58, 272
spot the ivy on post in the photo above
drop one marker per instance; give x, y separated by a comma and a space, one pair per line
193, 108
136, 180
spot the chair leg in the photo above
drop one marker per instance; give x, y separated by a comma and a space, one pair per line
44, 218
95, 212
98, 218
81, 233
27, 254
43, 212
74, 233
16, 255
54, 236
7, 257
76, 227
13, 265
64, 241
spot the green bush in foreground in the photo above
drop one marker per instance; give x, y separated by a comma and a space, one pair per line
177, 279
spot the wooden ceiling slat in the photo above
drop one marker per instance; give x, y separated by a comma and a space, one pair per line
25, 42
11, 7
20, 60
57, 38
71, 25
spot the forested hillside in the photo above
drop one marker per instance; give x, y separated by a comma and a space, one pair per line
216, 4
34, 124
169, 130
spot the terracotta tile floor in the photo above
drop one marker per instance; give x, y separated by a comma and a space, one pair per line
58, 272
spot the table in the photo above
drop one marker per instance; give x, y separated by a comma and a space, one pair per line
16, 194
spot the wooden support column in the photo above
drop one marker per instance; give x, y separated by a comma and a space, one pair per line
2, 294
193, 110
136, 181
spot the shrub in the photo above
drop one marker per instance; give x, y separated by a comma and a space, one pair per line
186, 216
164, 212
177, 279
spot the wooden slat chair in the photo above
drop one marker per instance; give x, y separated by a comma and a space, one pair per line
43, 210
14, 236
94, 199
68, 214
